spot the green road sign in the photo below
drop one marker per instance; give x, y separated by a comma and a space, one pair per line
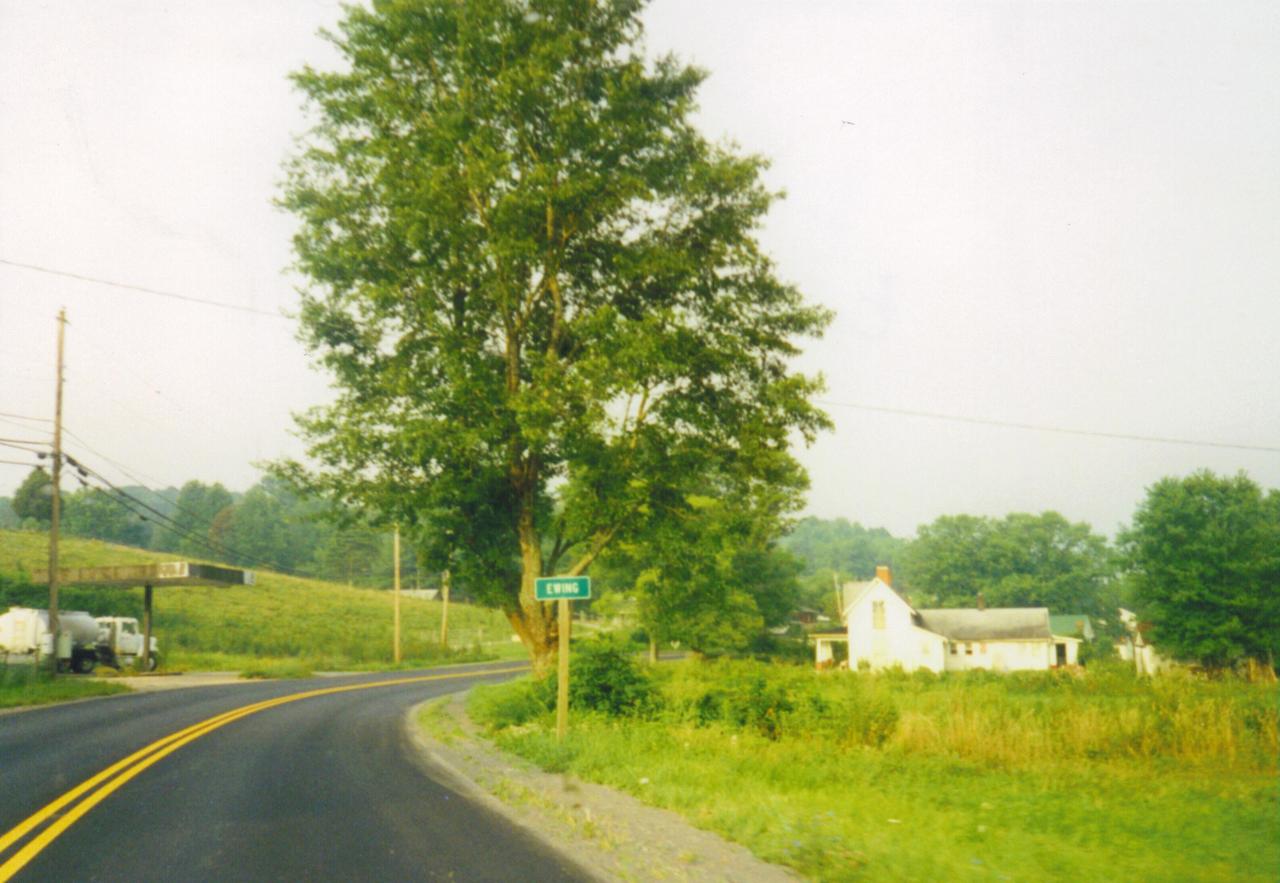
566, 588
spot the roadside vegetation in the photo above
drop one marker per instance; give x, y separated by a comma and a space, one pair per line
282, 626
1100, 776
25, 685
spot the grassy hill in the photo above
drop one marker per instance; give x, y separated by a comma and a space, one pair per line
281, 625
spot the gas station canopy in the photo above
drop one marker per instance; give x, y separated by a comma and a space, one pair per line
169, 573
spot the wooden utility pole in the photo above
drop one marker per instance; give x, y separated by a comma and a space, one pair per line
444, 609
55, 513
395, 553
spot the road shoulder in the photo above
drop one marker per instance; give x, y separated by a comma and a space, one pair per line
612, 835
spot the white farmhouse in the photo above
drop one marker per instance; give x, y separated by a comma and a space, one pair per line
883, 631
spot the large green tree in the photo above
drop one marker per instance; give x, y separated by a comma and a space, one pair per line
844, 547
1205, 557
262, 529
96, 514
1019, 560
536, 285
34, 497
192, 520
710, 573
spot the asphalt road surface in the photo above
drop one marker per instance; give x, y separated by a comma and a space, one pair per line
244, 782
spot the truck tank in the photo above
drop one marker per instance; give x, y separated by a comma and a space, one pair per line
23, 629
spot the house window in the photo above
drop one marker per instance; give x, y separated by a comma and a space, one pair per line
968, 649
877, 614
952, 645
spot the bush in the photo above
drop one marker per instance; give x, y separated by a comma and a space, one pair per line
760, 705
606, 678
513, 704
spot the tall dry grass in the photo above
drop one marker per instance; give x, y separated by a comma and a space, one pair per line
1006, 720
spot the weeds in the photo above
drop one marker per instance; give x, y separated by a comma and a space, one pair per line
897, 776
27, 685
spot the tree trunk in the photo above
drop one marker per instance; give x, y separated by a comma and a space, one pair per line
533, 620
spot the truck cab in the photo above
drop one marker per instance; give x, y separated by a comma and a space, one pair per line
120, 643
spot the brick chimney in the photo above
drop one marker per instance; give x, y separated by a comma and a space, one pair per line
882, 574
982, 602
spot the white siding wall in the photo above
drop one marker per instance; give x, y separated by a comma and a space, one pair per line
1000, 655
900, 642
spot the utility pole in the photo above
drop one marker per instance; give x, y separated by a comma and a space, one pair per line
444, 609
56, 511
395, 553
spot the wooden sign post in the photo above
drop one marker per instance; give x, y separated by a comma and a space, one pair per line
563, 589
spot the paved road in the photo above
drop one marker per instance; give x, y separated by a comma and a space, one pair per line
321, 788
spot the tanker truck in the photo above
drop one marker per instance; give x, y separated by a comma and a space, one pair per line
83, 643
24, 631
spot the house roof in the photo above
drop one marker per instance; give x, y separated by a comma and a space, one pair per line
1071, 624
851, 593
996, 623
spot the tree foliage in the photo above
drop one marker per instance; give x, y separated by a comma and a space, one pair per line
1019, 560
95, 514
34, 497
537, 288
710, 575
1205, 556
197, 505
843, 547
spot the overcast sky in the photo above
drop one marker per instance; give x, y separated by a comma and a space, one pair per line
1051, 214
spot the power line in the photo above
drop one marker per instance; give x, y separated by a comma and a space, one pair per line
1005, 424
155, 291
218, 548
123, 469
25, 417
25, 426
18, 463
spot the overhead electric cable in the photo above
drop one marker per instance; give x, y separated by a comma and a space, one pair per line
218, 548
155, 291
18, 463
27, 426
1006, 424
130, 502
123, 469
160, 517
25, 417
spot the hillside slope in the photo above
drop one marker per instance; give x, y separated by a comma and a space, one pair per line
280, 621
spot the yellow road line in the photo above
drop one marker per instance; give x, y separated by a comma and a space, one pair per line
140, 760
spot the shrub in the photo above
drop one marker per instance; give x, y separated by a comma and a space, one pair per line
606, 678
759, 705
514, 704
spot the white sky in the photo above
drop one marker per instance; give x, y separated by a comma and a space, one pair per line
1060, 214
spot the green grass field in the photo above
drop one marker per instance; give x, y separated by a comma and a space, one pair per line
862, 777
282, 626
22, 685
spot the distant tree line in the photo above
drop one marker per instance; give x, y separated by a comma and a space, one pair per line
1200, 565
269, 527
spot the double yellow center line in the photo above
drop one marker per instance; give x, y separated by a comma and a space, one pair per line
98, 788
